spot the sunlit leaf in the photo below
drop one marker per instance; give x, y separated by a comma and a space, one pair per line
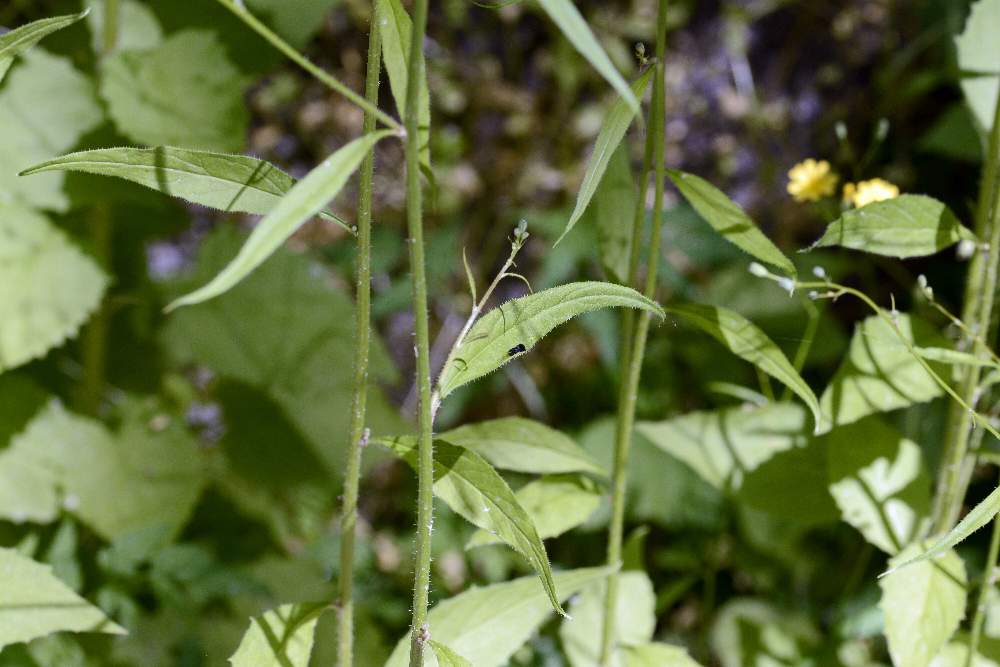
281, 637
635, 617
657, 655
446, 657
979, 51
23, 38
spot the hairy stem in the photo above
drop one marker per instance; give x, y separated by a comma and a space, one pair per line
362, 336
630, 384
985, 586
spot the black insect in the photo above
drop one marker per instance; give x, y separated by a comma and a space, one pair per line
517, 349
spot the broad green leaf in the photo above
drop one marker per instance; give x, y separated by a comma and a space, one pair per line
281, 637
487, 625
524, 445
169, 96
746, 341
555, 503
446, 657
657, 655
878, 480
473, 489
524, 321
23, 38
48, 288
955, 654
879, 373
138, 27
729, 220
611, 212
635, 617
979, 52
565, 15
752, 633
217, 180
906, 226
295, 20
36, 603
302, 202
613, 129
923, 605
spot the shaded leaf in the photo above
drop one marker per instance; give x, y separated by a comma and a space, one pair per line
138, 27
295, 20
979, 51
281, 637
616, 195
26, 36
753, 633
446, 657
635, 617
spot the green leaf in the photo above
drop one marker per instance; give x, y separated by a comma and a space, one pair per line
23, 38
635, 617
906, 226
48, 288
612, 131
473, 489
657, 655
524, 445
297, 21
168, 96
978, 51
565, 15
281, 637
616, 194
752, 633
303, 201
555, 504
923, 606
524, 321
446, 657
955, 653
746, 341
729, 220
487, 625
878, 480
36, 603
217, 180
138, 27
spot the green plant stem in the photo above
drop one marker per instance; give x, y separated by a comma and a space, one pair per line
362, 337
989, 575
257, 26
981, 285
111, 14
630, 385
419, 632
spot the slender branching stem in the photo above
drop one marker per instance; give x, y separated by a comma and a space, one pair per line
362, 337
419, 632
630, 384
985, 587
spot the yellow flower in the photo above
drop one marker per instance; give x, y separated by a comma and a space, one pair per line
810, 180
867, 192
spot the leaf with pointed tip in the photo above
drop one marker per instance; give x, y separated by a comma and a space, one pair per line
281, 637
446, 657
524, 321
729, 220
23, 38
979, 51
303, 201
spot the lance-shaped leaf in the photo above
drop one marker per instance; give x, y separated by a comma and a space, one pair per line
473, 489
446, 657
612, 131
487, 625
302, 202
729, 220
906, 226
217, 180
23, 38
513, 328
979, 51
281, 637
565, 15
611, 213
746, 341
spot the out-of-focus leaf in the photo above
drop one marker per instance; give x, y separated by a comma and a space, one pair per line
979, 52
746, 341
446, 657
295, 20
48, 288
486, 625
303, 201
923, 605
729, 220
955, 654
954, 135
168, 96
613, 129
474, 490
36, 603
514, 327
524, 445
137, 26
281, 637
611, 212
753, 633
657, 655
23, 38
878, 480
635, 617
906, 226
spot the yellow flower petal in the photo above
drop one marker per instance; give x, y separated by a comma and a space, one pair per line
810, 180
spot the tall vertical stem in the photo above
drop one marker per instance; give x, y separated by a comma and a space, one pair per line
362, 335
414, 221
633, 360
111, 12
985, 586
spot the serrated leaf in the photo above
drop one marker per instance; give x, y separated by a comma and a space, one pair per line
657, 655
906, 226
978, 51
48, 288
281, 637
555, 503
302, 202
524, 445
473, 489
217, 180
745, 340
923, 605
729, 220
138, 27
524, 321
446, 657
613, 129
487, 625
616, 195
26, 36
36, 603
635, 617
565, 15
